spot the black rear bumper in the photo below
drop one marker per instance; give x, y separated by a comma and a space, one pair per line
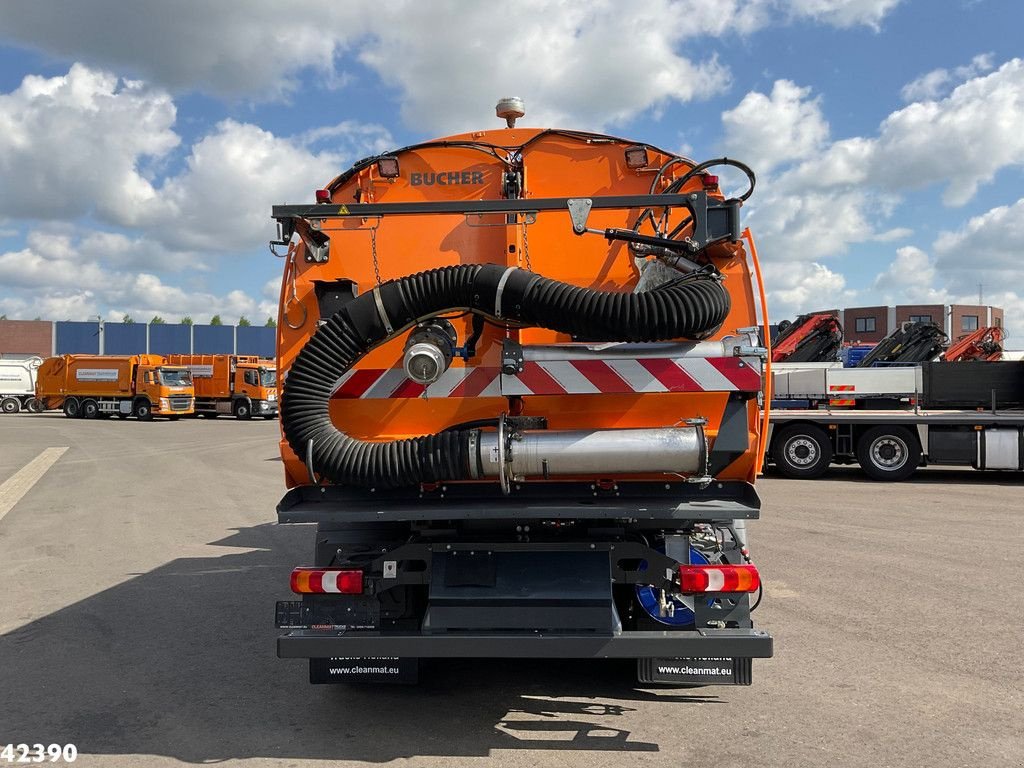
738, 643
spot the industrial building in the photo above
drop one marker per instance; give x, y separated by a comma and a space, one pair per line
869, 325
45, 338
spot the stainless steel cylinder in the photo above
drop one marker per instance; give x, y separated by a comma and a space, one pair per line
723, 348
424, 363
604, 453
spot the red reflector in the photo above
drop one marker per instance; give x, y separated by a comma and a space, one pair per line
317, 581
323, 195
710, 182
718, 578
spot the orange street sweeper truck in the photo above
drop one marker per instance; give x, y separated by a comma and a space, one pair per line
521, 372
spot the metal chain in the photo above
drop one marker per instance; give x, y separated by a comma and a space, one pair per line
526, 244
373, 249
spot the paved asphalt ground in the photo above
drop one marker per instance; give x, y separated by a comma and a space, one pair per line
138, 579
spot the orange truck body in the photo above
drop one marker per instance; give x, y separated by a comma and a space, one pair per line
98, 385
557, 165
520, 384
243, 385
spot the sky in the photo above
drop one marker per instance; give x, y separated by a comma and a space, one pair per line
142, 144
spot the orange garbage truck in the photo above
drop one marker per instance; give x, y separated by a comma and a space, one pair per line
91, 386
520, 381
242, 385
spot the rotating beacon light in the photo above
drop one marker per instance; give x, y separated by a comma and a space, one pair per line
511, 108
429, 351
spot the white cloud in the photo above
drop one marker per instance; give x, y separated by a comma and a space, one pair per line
818, 197
794, 287
73, 144
844, 13
448, 61
961, 140
935, 84
60, 276
555, 57
222, 200
78, 145
992, 243
914, 277
768, 131
910, 279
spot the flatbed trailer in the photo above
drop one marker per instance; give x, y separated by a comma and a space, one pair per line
954, 414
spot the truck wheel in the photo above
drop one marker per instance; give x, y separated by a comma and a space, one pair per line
35, 405
888, 453
143, 410
802, 451
243, 410
72, 408
90, 409
10, 405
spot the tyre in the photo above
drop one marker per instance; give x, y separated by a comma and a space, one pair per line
90, 409
143, 410
35, 405
72, 408
10, 405
802, 451
243, 409
888, 453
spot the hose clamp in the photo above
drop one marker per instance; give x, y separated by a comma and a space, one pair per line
504, 460
381, 311
501, 288
473, 446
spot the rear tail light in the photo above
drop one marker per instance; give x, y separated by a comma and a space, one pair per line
710, 182
318, 581
694, 579
323, 195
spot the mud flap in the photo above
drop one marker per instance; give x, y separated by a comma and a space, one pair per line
695, 671
370, 669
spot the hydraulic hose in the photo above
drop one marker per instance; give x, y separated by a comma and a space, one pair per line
691, 309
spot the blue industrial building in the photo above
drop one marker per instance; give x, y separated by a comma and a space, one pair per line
95, 338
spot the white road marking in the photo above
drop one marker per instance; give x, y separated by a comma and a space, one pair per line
21, 482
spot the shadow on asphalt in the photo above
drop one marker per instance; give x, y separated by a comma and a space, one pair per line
180, 662
929, 476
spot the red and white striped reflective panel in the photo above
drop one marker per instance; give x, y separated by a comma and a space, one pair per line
564, 377
629, 375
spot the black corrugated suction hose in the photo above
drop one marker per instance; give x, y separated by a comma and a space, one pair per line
691, 309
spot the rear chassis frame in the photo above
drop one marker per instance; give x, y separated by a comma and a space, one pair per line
407, 536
